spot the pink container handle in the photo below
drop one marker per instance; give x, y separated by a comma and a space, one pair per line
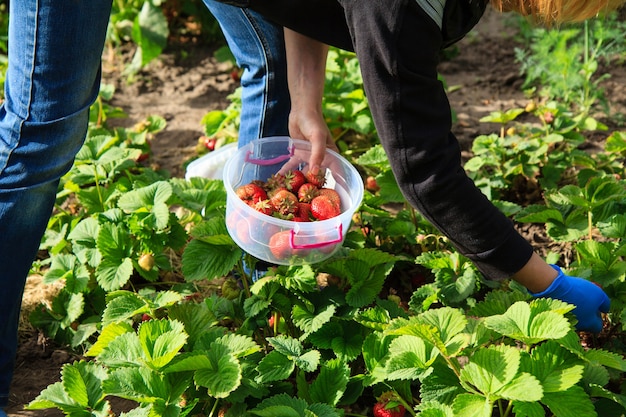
271, 161
293, 245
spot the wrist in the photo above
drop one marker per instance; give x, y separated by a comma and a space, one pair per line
536, 275
553, 285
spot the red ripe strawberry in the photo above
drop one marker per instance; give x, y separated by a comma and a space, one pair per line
294, 180
332, 195
264, 207
272, 191
324, 208
284, 202
318, 179
242, 231
251, 193
371, 184
280, 245
381, 410
209, 143
276, 181
307, 192
303, 214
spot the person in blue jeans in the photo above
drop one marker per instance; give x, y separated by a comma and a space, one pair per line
53, 77
44, 118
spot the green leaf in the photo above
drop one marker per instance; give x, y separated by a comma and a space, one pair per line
409, 357
125, 305
150, 31
308, 361
113, 274
52, 396
285, 406
153, 199
144, 385
601, 392
374, 156
124, 350
238, 345
375, 348
490, 369
605, 358
331, 382
434, 409
443, 327
277, 410
556, 368
205, 261
441, 385
224, 375
82, 381
375, 318
274, 367
67, 267
310, 322
528, 409
524, 387
161, 340
468, 405
80, 391
450, 323
497, 302
616, 142
108, 333
196, 317
286, 345
571, 403
531, 322
538, 214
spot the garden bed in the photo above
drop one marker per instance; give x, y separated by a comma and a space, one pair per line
484, 77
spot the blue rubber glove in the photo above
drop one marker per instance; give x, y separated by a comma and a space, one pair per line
588, 298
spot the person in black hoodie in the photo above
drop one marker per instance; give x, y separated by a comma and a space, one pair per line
398, 44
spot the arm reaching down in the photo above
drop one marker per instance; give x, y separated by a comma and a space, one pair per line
306, 67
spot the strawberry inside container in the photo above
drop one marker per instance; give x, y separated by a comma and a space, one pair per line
277, 240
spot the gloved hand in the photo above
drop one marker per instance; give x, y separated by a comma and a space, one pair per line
588, 298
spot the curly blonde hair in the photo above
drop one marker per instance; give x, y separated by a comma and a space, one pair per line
558, 11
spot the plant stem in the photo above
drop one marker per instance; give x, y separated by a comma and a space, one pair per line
508, 409
214, 408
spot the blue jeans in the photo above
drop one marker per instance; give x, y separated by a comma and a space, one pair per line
259, 49
53, 77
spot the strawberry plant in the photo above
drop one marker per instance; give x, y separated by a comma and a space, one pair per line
521, 162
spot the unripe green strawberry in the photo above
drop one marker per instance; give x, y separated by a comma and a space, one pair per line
230, 289
146, 261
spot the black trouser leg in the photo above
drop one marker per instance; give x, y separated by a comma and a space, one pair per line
398, 47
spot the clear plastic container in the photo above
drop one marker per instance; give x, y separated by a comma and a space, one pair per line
298, 242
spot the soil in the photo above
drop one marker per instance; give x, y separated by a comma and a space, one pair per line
183, 87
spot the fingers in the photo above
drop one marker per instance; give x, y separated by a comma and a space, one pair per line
318, 151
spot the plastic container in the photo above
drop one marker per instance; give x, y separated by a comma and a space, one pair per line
212, 164
301, 242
